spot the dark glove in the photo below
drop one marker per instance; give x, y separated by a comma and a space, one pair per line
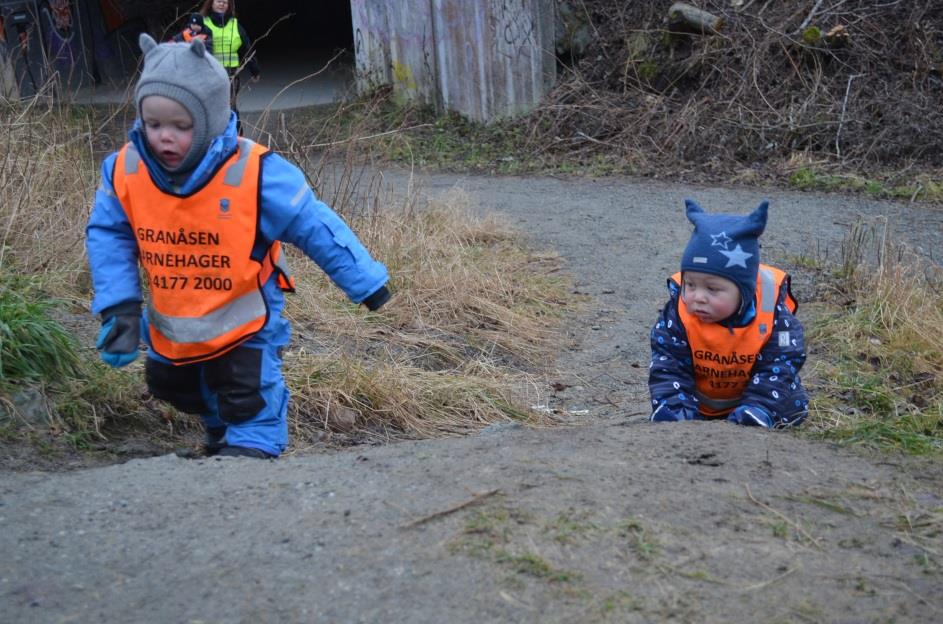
377, 299
120, 334
751, 416
663, 413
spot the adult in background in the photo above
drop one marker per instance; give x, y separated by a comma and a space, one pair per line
231, 45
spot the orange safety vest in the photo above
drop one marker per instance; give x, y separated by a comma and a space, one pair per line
197, 251
189, 36
724, 356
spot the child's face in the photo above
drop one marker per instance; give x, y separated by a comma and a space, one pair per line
168, 127
195, 27
710, 298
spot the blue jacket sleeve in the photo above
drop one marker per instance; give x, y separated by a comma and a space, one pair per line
671, 372
111, 247
775, 385
290, 212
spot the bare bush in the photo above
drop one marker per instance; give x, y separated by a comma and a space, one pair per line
474, 317
47, 180
854, 84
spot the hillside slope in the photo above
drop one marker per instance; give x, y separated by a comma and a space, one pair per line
612, 519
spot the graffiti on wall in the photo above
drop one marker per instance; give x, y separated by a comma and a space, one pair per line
20, 50
40, 40
513, 24
483, 58
371, 44
63, 47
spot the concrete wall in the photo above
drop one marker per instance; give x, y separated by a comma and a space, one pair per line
485, 59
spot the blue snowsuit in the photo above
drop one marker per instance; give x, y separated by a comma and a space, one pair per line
775, 387
242, 391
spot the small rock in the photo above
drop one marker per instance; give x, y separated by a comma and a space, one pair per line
29, 407
342, 419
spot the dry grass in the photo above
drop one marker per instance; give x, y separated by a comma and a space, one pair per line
47, 180
878, 380
473, 320
474, 316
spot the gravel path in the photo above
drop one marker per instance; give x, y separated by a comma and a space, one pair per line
618, 520
623, 238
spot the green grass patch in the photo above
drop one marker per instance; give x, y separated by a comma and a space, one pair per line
921, 187
34, 347
101, 399
386, 130
40, 355
569, 526
487, 530
491, 533
619, 602
641, 539
531, 564
877, 339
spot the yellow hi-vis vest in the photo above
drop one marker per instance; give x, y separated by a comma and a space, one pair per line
724, 356
197, 252
226, 42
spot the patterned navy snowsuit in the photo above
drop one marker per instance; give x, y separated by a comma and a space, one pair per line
775, 386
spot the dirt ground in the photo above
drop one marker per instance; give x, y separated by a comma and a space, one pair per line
610, 519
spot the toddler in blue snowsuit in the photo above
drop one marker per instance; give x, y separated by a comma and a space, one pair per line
727, 343
204, 212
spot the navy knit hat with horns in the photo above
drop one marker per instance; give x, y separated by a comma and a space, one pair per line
726, 245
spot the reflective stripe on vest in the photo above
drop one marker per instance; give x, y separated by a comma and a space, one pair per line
226, 42
183, 329
724, 357
131, 159
205, 289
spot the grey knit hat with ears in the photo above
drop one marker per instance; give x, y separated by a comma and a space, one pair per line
188, 74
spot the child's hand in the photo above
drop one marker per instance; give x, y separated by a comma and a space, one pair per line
375, 301
751, 416
665, 414
120, 334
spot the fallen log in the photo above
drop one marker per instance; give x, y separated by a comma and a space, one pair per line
698, 20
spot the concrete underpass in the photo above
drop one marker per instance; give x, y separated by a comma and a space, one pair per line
483, 59
304, 49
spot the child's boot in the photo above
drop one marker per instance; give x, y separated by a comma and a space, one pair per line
243, 451
214, 440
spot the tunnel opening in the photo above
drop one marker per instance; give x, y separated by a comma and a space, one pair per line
297, 30
305, 51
